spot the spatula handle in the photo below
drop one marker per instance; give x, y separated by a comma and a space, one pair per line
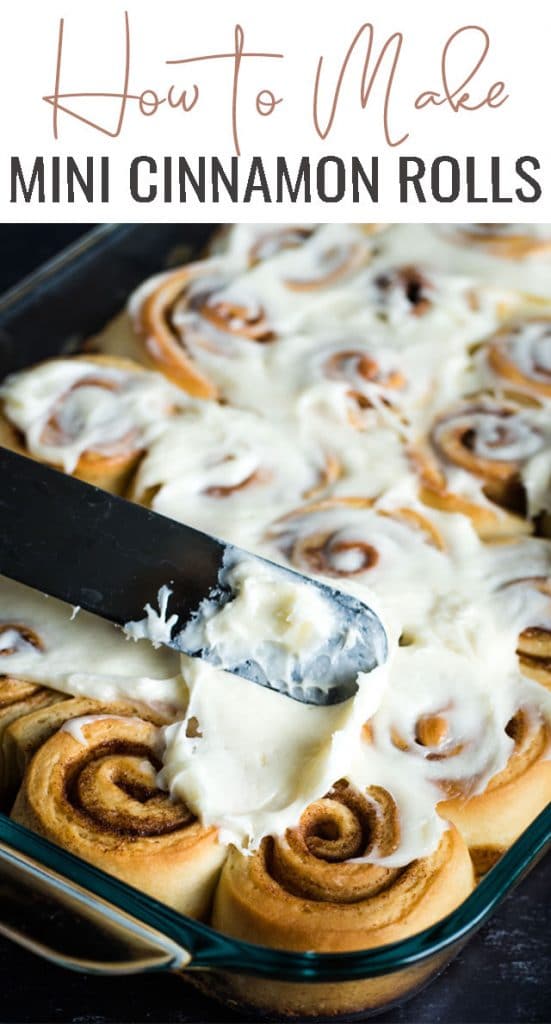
93, 549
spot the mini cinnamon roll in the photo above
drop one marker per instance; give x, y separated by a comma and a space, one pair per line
256, 243
371, 380
329, 262
46, 643
34, 719
398, 552
439, 721
330, 537
315, 888
192, 309
474, 462
227, 470
520, 353
17, 698
506, 241
93, 416
91, 787
491, 821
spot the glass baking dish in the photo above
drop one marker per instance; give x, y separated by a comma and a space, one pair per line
70, 912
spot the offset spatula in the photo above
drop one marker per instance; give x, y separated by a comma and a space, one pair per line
111, 557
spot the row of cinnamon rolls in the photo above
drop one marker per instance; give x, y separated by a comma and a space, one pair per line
85, 774
471, 422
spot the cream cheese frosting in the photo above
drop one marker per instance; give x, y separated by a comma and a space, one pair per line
84, 656
310, 641
250, 760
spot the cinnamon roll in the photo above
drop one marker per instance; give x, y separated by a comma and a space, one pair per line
328, 262
278, 239
255, 243
227, 470
506, 241
520, 353
398, 552
439, 722
365, 386
91, 787
34, 721
491, 821
93, 416
316, 888
262, 242
196, 309
475, 459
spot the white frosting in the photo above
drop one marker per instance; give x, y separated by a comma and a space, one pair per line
227, 471
250, 760
336, 353
75, 726
157, 625
85, 656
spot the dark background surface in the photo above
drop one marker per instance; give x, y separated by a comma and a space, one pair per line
503, 975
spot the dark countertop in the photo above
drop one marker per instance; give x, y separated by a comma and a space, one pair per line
503, 975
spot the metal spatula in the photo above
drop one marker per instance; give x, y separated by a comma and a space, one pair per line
111, 557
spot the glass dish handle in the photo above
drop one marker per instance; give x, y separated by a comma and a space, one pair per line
59, 920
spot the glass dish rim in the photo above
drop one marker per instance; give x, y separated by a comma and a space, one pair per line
209, 948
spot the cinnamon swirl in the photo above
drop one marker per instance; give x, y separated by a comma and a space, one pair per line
365, 386
91, 787
327, 263
191, 310
475, 460
520, 353
397, 551
33, 721
227, 470
315, 888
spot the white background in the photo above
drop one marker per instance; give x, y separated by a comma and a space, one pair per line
171, 29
